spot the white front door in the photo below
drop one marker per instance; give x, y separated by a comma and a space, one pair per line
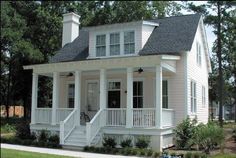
92, 98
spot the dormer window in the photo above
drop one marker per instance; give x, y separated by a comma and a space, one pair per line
129, 43
100, 45
115, 44
199, 57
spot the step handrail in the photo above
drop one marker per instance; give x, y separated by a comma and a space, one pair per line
70, 122
93, 127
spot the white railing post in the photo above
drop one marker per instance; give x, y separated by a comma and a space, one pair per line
129, 112
77, 95
62, 130
34, 100
55, 96
103, 98
158, 96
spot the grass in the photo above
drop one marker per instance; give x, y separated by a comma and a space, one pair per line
224, 156
8, 153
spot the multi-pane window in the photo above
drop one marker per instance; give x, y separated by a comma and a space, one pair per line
114, 89
165, 94
137, 94
193, 97
115, 44
203, 96
71, 95
129, 44
100, 45
199, 57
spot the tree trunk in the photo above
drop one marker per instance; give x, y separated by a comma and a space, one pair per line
220, 77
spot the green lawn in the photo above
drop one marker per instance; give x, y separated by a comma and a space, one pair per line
8, 153
224, 156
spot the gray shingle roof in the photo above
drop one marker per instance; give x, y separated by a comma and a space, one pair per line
172, 36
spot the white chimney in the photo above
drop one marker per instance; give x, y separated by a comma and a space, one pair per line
70, 27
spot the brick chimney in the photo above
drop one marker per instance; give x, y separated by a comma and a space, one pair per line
70, 27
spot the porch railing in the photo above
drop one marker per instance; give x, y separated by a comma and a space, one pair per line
167, 117
67, 126
93, 127
62, 113
143, 117
43, 115
115, 116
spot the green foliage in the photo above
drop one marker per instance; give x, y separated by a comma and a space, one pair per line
109, 142
23, 131
7, 128
208, 136
184, 134
126, 143
155, 154
234, 134
188, 155
43, 136
142, 142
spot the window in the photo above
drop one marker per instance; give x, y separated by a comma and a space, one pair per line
203, 96
165, 94
114, 43
114, 94
193, 97
100, 45
71, 95
137, 94
199, 58
129, 42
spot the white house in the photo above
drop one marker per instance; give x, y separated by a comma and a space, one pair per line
130, 79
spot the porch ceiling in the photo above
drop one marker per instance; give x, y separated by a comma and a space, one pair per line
167, 61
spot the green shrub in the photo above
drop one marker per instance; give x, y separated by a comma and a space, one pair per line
173, 154
234, 134
54, 139
141, 152
7, 128
134, 151
184, 134
188, 155
23, 131
43, 136
126, 143
155, 154
208, 136
142, 142
109, 142
148, 152
196, 155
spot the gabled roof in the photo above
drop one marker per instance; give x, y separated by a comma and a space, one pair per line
172, 36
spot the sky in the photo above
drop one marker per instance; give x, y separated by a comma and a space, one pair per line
211, 37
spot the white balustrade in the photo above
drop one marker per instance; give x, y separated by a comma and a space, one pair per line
43, 115
167, 117
93, 127
143, 117
62, 113
115, 116
67, 126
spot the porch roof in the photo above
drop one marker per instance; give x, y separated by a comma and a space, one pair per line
108, 63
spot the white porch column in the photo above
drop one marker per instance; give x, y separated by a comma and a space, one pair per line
55, 96
103, 96
77, 103
158, 96
34, 100
129, 112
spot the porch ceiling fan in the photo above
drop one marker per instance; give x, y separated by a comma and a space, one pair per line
140, 70
68, 75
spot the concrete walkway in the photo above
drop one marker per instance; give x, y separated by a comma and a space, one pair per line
62, 152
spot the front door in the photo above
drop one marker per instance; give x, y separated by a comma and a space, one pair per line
114, 88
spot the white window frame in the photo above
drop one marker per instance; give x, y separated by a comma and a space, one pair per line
128, 43
115, 80
97, 46
114, 44
67, 93
199, 54
203, 96
86, 95
193, 96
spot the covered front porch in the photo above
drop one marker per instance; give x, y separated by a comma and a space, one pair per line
131, 92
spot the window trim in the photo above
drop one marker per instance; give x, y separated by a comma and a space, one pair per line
193, 97
124, 43
105, 45
67, 93
139, 79
114, 80
199, 54
115, 44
